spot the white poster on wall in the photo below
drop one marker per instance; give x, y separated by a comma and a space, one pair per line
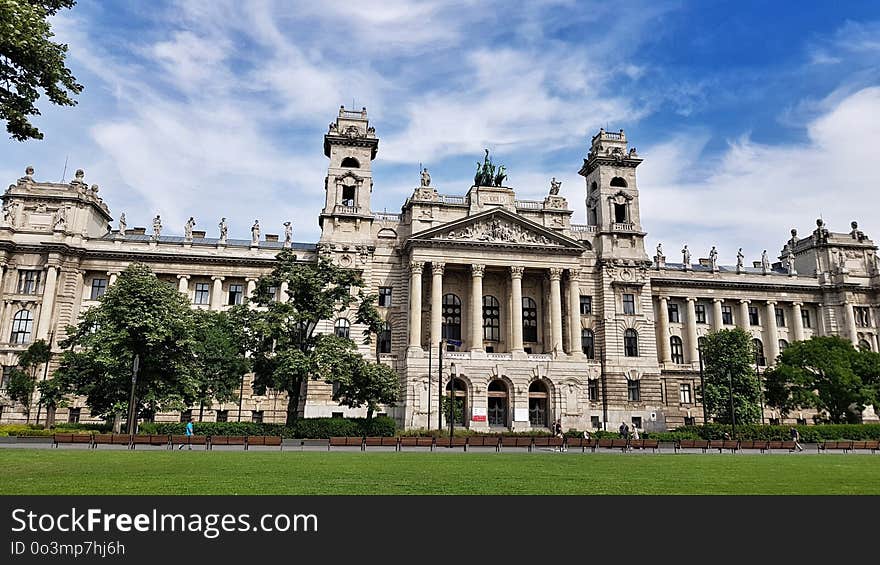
521, 414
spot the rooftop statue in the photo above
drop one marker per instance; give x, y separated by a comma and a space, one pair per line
554, 186
487, 174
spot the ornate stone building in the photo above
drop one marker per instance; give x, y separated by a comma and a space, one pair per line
538, 318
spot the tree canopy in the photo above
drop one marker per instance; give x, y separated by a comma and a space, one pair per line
31, 62
825, 373
219, 363
23, 380
729, 359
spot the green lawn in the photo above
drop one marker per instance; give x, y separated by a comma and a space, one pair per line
67, 471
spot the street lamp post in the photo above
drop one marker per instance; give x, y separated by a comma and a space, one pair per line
131, 408
702, 383
760, 385
732, 409
452, 374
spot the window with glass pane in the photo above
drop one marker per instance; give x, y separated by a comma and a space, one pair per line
674, 316
863, 316
530, 319
593, 389
28, 282
73, 415
202, 293
700, 311
385, 339
538, 404
236, 293
631, 343
257, 416
805, 318
273, 293
586, 305
727, 315
491, 319
186, 416
684, 393
588, 340
342, 328
7, 374
633, 391
385, 296
780, 317
99, 287
783, 345
629, 303
689, 421
676, 349
22, 326
222, 415
760, 359
451, 317
754, 318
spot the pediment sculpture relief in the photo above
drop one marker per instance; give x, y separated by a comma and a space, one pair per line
497, 231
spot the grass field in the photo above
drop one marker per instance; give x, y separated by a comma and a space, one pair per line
43, 471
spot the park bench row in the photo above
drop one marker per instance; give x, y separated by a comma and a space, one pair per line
770, 445
167, 440
496, 442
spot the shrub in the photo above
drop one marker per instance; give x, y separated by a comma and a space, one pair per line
307, 428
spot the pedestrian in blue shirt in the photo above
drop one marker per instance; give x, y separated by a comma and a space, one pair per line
189, 433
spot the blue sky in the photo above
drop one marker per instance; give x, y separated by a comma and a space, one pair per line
752, 117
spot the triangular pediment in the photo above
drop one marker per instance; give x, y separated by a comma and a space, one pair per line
497, 226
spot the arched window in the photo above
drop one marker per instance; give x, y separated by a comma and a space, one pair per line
677, 350
451, 317
631, 343
384, 339
760, 359
497, 403
342, 328
618, 182
588, 343
459, 389
22, 326
529, 319
348, 195
783, 345
538, 396
864, 345
621, 215
491, 319
351, 163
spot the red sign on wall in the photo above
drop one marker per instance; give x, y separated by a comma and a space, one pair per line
476, 418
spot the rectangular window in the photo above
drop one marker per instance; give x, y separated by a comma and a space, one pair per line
684, 393
754, 319
186, 416
336, 415
73, 415
633, 392
7, 374
586, 305
202, 294
28, 282
236, 293
700, 311
674, 316
690, 421
222, 415
273, 293
99, 287
801, 421
774, 421
385, 296
780, 317
594, 421
629, 303
727, 315
593, 389
863, 316
257, 416
637, 422
805, 318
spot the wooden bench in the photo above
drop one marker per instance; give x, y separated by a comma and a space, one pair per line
382, 442
71, 438
417, 442
227, 440
580, 442
546, 441
453, 442
149, 439
347, 441
702, 444
264, 441
182, 439
759, 444
779, 445
724, 445
873, 445
652, 444
835, 445
483, 441
516, 441
111, 439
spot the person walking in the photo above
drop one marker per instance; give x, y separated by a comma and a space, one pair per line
557, 432
624, 430
189, 433
795, 437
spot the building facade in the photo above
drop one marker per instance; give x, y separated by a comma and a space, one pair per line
537, 318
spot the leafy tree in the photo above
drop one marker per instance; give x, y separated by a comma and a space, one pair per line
54, 396
23, 380
220, 363
29, 62
825, 373
280, 334
729, 358
138, 315
457, 409
361, 383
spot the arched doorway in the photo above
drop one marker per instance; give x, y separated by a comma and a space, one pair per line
459, 393
497, 403
539, 398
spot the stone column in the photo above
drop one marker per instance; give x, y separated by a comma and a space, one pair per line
476, 337
691, 331
820, 320
183, 284
850, 320
663, 331
251, 287
555, 310
2, 280
113, 275
516, 275
436, 303
282, 291
6, 322
717, 315
48, 302
797, 322
771, 334
217, 293
743, 321
574, 313
415, 305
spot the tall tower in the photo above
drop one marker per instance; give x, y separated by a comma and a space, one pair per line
351, 144
613, 198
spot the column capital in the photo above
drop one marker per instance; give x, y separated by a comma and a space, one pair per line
771, 303
516, 272
438, 268
183, 277
217, 278
415, 267
690, 298
574, 273
745, 301
246, 279
663, 298
798, 303
555, 273
478, 270
716, 300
